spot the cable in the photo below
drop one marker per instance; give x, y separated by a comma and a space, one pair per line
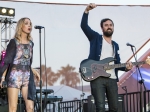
3, 29
140, 81
45, 58
136, 70
82, 87
82, 95
3, 26
137, 74
45, 65
13, 26
81, 81
3, 47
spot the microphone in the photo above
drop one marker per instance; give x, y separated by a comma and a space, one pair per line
38, 27
128, 44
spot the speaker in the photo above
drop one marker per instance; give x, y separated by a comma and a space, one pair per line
89, 106
85, 107
121, 103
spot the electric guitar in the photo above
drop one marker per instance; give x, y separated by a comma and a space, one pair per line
91, 69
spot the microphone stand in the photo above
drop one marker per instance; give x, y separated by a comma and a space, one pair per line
140, 82
40, 71
125, 89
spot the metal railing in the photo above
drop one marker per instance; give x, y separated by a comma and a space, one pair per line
147, 101
71, 106
129, 102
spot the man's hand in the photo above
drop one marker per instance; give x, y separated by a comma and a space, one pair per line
129, 65
90, 7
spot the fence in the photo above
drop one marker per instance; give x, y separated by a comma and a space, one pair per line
129, 102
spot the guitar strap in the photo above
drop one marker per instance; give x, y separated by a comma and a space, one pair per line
113, 47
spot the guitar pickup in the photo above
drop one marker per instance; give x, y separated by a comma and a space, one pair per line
94, 69
84, 70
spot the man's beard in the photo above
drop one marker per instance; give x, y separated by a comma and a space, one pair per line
108, 33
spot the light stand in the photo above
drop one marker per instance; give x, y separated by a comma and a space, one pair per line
140, 81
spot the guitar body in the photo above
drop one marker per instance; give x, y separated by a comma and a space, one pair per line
91, 69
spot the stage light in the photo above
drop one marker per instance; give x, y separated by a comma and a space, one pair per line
4, 10
7, 11
11, 11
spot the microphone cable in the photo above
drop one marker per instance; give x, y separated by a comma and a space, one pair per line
136, 71
45, 67
82, 95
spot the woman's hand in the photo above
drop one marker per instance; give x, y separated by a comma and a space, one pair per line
2, 80
36, 73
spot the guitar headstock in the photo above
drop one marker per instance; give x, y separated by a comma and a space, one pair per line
148, 60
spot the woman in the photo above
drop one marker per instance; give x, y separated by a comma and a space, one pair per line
17, 63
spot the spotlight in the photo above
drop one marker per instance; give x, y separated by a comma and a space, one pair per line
4, 11
11, 11
7, 11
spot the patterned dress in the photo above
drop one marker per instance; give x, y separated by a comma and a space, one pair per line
20, 72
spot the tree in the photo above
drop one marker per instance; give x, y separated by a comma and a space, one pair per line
49, 74
68, 76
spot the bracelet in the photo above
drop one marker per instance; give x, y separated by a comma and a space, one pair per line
3, 77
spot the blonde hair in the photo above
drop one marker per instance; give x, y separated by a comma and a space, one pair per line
18, 31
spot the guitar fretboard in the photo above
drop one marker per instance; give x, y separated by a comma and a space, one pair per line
108, 67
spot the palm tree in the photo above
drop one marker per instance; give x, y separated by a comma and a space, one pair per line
49, 74
52, 77
68, 76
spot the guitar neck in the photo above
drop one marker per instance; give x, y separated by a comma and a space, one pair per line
108, 67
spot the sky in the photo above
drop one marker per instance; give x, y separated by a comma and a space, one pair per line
66, 42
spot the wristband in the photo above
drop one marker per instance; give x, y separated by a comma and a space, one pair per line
3, 77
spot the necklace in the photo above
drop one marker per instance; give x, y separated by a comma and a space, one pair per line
25, 54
